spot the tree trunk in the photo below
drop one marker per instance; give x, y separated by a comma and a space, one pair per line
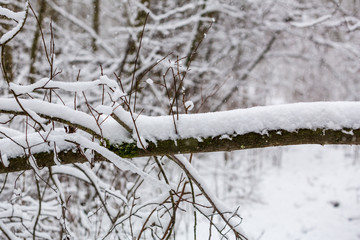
34, 46
192, 145
96, 21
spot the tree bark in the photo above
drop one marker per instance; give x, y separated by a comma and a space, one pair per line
96, 22
8, 57
34, 46
192, 145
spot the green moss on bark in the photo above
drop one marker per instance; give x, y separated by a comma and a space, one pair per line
271, 138
125, 150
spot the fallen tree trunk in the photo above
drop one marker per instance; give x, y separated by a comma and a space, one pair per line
250, 140
125, 134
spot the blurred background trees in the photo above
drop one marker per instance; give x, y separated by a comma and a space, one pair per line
306, 50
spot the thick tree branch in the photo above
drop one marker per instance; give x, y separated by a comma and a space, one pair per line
258, 127
211, 144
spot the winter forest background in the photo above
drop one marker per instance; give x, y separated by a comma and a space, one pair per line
184, 57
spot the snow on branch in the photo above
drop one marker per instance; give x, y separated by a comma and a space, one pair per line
63, 114
46, 83
19, 17
311, 22
279, 125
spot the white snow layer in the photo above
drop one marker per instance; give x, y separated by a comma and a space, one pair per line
109, 128
311, 22
298, 200
12, 15
20, 17
289, 117
67, 86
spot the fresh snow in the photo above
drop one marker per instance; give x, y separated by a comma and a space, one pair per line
20, 17
315, 194
12, 15
189, 105
311, 22
123, 164
108, 128
8, 132
46, 83
289, 117
149, 81
15, 147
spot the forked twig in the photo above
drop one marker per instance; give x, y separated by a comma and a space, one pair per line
189, 173
135, 65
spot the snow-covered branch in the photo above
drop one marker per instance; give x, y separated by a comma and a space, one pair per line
50, 111
18, 17
258, 127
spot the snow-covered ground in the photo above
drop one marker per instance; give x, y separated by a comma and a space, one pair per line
315, 194
307, 192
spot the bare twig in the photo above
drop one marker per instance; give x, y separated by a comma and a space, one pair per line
207, 196
135, 65
248, 71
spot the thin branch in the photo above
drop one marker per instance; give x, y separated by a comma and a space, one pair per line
191, 174
246, 74
56, 116
135, 65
